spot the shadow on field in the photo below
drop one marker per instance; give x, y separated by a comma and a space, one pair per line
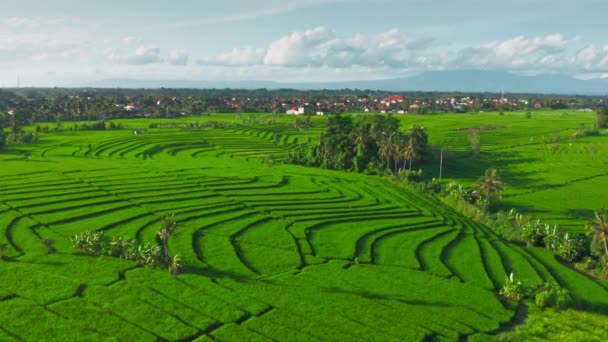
215, 273
583, 214
470, 168
505, 205
376, 296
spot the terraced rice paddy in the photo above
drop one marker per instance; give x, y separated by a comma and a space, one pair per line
548, 173
275, 252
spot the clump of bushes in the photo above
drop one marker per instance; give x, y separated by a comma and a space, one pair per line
99, 126
21, 137
551, 296
546, 295
583, 132
152, 255
410, 176
536, 233
95, 243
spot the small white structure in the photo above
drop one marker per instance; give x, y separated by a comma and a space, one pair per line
320, 113
401, 111
295, 111
131, 106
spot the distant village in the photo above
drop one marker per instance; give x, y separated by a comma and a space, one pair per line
96, 104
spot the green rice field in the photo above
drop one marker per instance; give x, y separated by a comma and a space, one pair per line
281, 252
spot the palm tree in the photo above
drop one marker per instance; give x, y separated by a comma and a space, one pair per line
360, 136
168, 225
386, 150
409, 153
599, 228
418, 138
490, 184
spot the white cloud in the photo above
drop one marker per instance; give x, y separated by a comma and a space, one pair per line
522, 46
178, 57
320, 46
397, 52
26, 45
237, 57
144, 55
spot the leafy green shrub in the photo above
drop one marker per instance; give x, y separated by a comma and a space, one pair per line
411, 176
552, 295
570, 248
94, 243
97, 126
587, 264
531, 233
551, 237
176, 264
88, 242
513, 288
21, 138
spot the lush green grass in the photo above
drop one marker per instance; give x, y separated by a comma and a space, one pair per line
561, 187
551, 325
277, 252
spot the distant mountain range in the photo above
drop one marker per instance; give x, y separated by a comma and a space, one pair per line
443, 81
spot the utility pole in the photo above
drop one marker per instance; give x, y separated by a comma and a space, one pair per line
441, 165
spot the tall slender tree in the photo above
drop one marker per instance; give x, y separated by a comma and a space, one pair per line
409, 153
386, 150
598, 228
490, 184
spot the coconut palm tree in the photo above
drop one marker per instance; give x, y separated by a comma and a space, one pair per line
419, 139
168, 225
360, 134
490, 184
409, 153
387, 149
599, 228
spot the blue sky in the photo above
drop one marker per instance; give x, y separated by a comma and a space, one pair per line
69, 42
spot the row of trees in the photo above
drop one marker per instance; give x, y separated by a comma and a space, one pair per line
367, 143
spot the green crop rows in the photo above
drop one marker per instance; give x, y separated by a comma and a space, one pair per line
271, 252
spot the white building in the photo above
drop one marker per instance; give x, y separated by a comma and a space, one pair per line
295, 111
